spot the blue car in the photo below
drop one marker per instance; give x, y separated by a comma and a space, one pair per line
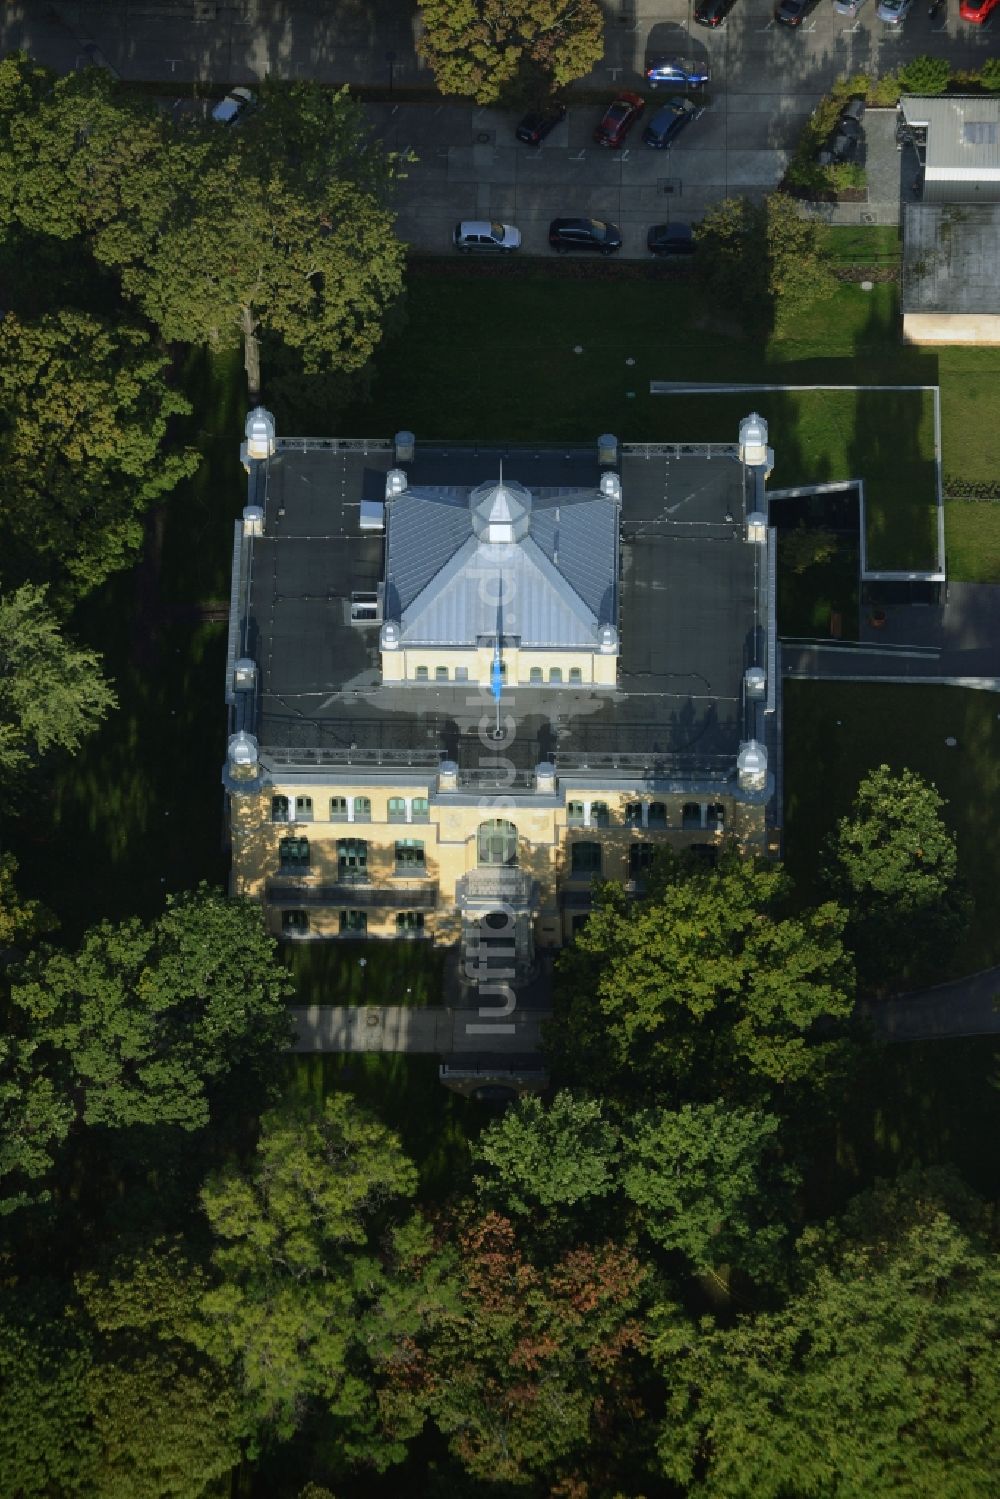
668, 122
679, 72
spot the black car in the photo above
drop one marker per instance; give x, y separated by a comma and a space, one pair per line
539, 123
670, 239
853, 110
839, 150
668, 122
792, 12
584, 234
712, 12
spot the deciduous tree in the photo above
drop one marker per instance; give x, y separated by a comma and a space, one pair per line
478, 48
880, 1378
52, 693
542, 1160
893, 861
708, 987
84, 412
139, 1023
46, 1445
292, 1236
708, 1181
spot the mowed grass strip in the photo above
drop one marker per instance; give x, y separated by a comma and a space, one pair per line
834, 732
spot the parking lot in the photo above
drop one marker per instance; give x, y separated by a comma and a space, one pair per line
766, 80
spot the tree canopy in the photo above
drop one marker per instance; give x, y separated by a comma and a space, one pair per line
762, 260
707, 986
138, 1023
879, 1378
540, 1159
893, 862
478, 48
84, 412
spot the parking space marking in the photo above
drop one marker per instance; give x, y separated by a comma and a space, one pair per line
761, 29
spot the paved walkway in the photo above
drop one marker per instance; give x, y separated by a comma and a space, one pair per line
434, 1031
964, 1007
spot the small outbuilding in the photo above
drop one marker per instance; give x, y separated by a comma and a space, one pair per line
958, 140
951, 273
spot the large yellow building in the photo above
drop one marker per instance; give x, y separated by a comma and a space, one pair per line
465, 680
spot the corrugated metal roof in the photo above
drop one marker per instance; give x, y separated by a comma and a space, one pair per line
558, 584
951, 257
963, 131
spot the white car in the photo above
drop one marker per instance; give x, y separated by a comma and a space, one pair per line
480, 235
847, 7
229, 109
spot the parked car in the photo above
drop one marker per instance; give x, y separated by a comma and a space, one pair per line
712, 12
679, 72
480, 236
847, 7
977, 11
584, 234
670, 239
853, 110
539, 123
792, 12
618, 119
839, 150
668, 122
235, 104
893, 12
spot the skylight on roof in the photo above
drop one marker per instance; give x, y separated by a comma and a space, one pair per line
979, 132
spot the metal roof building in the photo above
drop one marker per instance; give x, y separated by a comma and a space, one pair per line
961, 149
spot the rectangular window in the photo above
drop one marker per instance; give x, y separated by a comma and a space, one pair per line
574, 814
303, 809
279, 809
633, 814
397, 809
535, 674
338, 809
420, 809
555, 673
640, 857
600, 815
362, 809
422, 674
586, 858
576, 674
409, 923
352, 859
293, 854
657, 817
295, 923
410, 856
461, 673
440, 673
353, 923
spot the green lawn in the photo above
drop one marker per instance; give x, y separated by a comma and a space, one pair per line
972, 540
373, 972
835, 732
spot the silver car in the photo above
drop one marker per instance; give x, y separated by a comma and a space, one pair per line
893, 12
847, 7
480, 235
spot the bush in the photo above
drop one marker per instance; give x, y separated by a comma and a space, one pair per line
925, 75
989, 75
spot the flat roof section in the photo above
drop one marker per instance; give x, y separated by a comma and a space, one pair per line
951, 257
690, 618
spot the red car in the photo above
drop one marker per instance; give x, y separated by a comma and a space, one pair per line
618, 119
977, 11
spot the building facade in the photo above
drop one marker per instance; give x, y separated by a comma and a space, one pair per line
465, 681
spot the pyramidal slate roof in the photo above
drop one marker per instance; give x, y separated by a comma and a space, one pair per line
551, 579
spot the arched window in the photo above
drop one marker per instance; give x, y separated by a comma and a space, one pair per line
362, 809
352, 859
575, 675
657, 815
691, 815
421, 674
600, 815
535, 674
303, 809
555, 673
397, 809
586, 858
633, 814
574, 814
497, 842
421, 809
440, 673
279, 809
338, 809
